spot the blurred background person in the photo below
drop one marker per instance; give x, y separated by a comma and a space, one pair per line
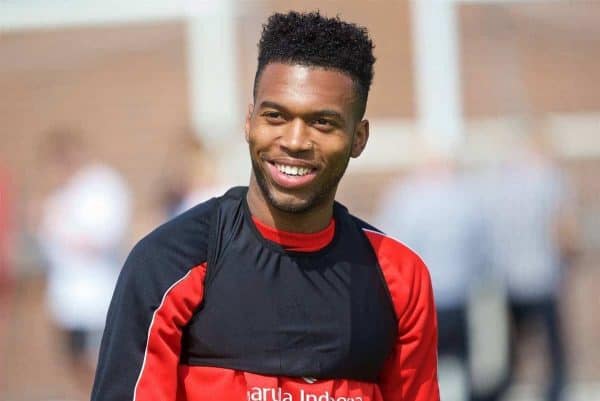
191, 175
84, 221
534, 241
434, 212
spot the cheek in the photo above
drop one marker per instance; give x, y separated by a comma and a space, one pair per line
255, 140
259, 136
336, 150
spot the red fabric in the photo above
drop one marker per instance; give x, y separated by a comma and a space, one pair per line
198, 383
157, 380
411, 372
297, 242
409, 375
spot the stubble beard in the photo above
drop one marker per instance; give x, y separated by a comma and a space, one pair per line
320, 196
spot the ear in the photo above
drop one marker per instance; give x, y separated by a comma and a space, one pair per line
361, 136
247, 124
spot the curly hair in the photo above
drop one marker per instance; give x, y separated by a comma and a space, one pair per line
311, 39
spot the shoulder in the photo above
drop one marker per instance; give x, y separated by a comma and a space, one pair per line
383, 245
403, 270
177, 245
98, 174
389, 247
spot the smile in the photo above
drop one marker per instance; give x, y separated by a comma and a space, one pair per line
291, 176
293, 170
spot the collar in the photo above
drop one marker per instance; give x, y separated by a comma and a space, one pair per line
297, 242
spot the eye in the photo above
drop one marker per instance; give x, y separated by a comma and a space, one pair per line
273, 117
323, 124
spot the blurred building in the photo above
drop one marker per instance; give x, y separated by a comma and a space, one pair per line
133, 75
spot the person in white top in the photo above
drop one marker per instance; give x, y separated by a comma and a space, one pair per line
84, 221
191, 174
534, 238
433, 211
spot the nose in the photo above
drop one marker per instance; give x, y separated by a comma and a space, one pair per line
296, 137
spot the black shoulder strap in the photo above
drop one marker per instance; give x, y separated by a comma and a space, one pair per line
213, 228
235, 193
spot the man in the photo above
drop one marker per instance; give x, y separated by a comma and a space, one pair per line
84, 220
434, 211
274, 292
534, 241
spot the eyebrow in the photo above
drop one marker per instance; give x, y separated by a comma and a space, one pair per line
319, 113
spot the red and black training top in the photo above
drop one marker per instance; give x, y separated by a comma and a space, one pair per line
216, 306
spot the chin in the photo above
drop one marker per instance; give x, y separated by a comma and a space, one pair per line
289, 203
297, 201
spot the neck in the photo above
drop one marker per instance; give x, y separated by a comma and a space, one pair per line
309, 221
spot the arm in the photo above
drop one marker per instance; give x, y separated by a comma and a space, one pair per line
410, 373
155, 297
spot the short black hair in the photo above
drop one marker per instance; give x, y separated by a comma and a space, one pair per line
311, 39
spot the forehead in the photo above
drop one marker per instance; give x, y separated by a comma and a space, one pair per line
305, 87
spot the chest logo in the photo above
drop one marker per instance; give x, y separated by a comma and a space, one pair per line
278, 394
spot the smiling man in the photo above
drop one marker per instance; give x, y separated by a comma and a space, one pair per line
275, 292
302, 131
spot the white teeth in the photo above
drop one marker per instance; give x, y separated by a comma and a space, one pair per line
293, 170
